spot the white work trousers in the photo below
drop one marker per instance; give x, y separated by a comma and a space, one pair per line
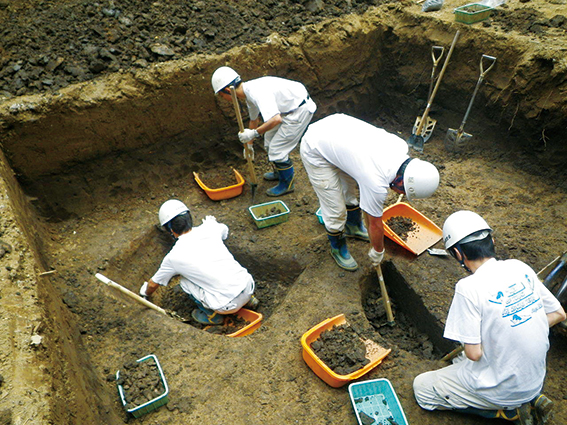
441, 390
335, 189
239, 301
282, 139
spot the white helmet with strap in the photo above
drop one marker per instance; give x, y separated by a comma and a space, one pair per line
224, 77
171, 209
460, 225
421, 179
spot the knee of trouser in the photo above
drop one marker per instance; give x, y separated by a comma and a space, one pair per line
422, 385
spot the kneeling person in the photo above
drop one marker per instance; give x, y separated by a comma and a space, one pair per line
209, 273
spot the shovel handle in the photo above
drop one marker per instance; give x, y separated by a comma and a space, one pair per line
430, 101
385, 296
483, 72
251, 173
131, 294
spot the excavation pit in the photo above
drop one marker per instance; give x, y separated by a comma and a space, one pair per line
86, 167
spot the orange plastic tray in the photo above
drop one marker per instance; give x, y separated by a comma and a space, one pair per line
253, 317
427, 235
223, 192
374, 352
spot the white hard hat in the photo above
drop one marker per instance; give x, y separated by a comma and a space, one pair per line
421, 179
171, 209
461, 224
224, 77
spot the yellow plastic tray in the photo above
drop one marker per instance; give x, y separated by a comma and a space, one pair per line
223, 192
427, 235
374, 352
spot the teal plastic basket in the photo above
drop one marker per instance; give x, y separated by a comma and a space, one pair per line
319, 216
376, 399
153, 404
258, 210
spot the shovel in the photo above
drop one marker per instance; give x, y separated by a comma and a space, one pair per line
456, 139
436, 55
247, 147
138, 298
416, 140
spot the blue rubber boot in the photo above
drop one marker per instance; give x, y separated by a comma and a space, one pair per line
285, 175
272, 175
354, 226
208, 317
339, 251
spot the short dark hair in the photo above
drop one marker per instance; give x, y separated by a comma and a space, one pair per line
181, 223
477, 250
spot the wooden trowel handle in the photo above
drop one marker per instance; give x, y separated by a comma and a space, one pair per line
131, 294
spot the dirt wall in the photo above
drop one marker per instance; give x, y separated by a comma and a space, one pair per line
363, 63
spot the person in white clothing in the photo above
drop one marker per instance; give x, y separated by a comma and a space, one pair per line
209, 273
501, 314
279, 109
339, 152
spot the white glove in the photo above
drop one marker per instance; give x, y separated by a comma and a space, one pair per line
248, 135
143, 290
209, 218
375, 256
245, 153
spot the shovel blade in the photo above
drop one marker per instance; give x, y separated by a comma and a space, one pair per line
426, 130
416, 142
455, 140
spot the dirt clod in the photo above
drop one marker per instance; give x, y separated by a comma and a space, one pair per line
272, 211
402, 226
341, 349
141, 382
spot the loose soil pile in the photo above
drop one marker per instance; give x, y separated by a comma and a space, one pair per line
402, 226
218, 179
341, 349
141, 382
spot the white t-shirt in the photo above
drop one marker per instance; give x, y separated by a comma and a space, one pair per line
208, 270
503, 306
270, 96
368, 154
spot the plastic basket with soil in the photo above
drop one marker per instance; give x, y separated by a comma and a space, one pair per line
221, 185
409, 228
242, 323
269, 213
338, 354
142, 386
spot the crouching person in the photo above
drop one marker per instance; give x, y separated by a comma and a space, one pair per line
209, 273
501, 313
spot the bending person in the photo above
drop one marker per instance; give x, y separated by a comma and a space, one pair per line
209, 273
339, 152
286, 110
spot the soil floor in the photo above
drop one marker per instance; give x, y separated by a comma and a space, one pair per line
261, 378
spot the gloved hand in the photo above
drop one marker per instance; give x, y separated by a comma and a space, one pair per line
209, 218
375, 256
143, 290
245, 153
248, 135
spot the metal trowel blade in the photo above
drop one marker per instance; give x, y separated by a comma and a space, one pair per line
436, 251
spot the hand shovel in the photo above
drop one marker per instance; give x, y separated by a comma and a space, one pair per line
249, 154
456, 139
424, 126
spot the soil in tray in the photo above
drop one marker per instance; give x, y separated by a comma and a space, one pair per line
218, 179
341, 349
402, 226
272, 211
141, 382
232, 323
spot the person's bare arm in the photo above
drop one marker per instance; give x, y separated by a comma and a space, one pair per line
376, 232
556, 317
473, 351
267, 126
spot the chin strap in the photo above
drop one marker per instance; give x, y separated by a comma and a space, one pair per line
462, 260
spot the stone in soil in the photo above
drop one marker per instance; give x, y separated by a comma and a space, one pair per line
141, 382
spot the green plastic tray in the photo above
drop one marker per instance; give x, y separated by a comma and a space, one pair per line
472, 12
258, 210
